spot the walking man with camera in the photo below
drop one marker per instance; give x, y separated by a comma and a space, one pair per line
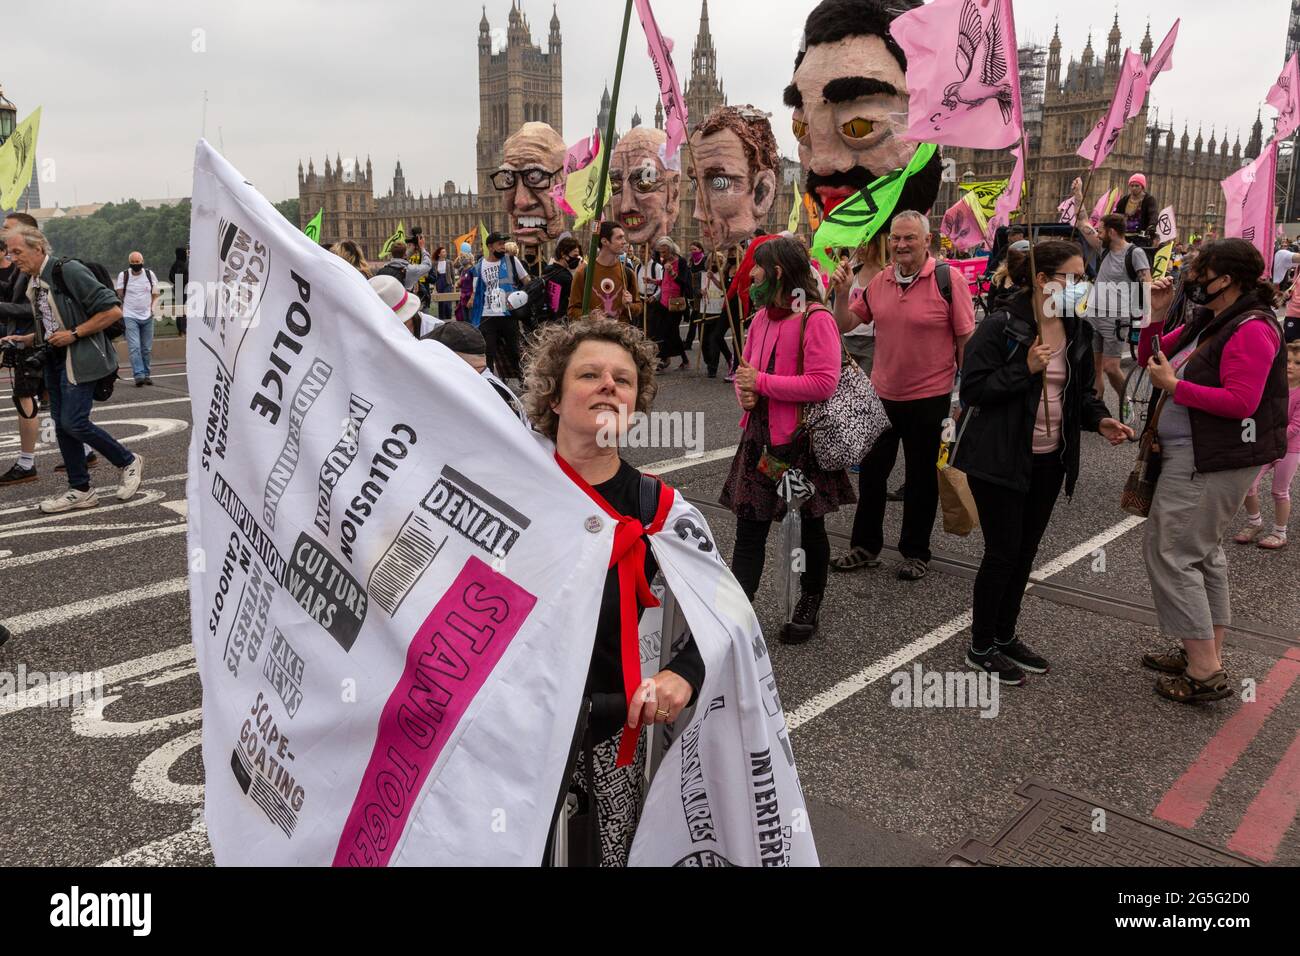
29, 386
71, 311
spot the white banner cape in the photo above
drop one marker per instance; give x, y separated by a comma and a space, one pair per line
394, 592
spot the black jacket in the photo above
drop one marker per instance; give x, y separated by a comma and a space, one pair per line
16, 316
996, 434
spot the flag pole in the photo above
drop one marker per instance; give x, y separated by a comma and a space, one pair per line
1034, 297
594, 247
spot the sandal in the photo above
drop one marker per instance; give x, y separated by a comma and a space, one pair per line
1248, 534
1271, 542
855, 559
1173, 661
1185, 689
913, 569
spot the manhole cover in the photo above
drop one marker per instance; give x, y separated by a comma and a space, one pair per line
1059, 828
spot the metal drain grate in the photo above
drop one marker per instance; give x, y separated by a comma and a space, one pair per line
1056, 829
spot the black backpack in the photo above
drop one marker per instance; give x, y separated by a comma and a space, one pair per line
118, 328
396, 270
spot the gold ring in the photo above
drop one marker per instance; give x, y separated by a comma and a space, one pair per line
662, 714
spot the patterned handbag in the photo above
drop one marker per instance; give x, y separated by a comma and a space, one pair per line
845, 427
1140, 487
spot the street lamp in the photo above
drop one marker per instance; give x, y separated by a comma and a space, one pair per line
1211, 215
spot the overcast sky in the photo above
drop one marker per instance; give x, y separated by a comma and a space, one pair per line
122, 84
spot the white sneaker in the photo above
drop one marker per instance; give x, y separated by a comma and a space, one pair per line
131, 476
70, 500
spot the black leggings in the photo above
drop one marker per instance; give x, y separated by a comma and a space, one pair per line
713, 341
751, 551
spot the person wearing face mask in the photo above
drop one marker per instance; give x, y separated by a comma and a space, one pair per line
471, 348
559, 275
1222, 415
137, 290
1027, 389
791, 357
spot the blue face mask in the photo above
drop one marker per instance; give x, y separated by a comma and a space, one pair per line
1066, 301
622, 257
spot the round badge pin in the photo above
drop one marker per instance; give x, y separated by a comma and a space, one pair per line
594, 524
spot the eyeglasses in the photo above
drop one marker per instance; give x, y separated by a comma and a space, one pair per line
534, 177
1070, 278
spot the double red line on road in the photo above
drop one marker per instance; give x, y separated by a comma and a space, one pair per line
1274, 808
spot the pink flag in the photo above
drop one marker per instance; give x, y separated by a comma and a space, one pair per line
962, 73
1009, 201
1130, 92
670, 89
1284, 97
1251, 212
1163, 58
1105, 205
961, 226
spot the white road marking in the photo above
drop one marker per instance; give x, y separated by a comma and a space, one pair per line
114, 407
148, 498
99, 544
53, 616
677, 464
88, 719
26, 504
818, 705
152, 780
4, 395
182, 508
186, 845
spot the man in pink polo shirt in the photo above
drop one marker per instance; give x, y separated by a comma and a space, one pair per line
920, 335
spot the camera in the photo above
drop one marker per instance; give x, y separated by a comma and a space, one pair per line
34, 359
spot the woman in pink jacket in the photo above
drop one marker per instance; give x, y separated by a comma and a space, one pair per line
1223, 416
791, 357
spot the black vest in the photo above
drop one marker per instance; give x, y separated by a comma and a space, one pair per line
1217, 442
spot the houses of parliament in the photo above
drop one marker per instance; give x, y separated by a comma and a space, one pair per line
518, 83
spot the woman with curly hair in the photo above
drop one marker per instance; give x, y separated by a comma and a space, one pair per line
583, 382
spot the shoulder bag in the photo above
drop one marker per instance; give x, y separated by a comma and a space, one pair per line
843, 428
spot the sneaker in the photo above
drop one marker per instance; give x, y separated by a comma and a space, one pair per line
131, 476
913, 569
729, 377
803, 624
70, 500
148, 380
896, 494
1018, 652
139, 383
997, 664
18, 475
91, 461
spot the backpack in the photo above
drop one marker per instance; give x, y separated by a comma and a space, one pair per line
396, 270
943, 279
118, 328
1128, 262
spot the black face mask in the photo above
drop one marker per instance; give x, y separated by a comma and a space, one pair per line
575, 262
1198, 293
137, 267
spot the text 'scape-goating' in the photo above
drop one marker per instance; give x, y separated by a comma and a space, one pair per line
394, 591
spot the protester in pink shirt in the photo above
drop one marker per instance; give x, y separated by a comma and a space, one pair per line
1224, 416
922, 326
791, 357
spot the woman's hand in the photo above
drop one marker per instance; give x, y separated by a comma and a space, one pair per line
659, 700
1114, 431
746, 376
1039, 356
748, 401
841, 279
1162, 373
61, 338
1162, 296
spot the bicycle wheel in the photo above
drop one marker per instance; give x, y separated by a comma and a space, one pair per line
1136, 398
